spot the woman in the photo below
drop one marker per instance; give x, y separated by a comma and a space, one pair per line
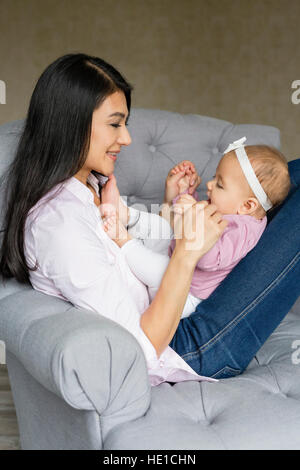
54, 236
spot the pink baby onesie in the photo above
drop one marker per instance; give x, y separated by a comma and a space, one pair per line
239, 237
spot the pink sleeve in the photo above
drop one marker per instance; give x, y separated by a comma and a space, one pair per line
229, 249
196, 195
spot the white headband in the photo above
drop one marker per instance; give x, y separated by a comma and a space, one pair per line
248, 171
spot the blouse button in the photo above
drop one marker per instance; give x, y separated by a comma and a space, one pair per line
161, 363
111, 259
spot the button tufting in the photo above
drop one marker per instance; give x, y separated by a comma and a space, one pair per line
152, 148
131, 199
215, 151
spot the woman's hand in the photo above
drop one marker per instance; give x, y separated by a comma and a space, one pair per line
181, 177
197, 227
110, 199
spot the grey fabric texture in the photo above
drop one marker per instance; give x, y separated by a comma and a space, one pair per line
161, 139
63, 348
79, 380
46, 422
259, 409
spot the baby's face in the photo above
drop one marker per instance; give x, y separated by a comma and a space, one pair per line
229, 188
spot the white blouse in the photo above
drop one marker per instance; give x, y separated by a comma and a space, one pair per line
78, 262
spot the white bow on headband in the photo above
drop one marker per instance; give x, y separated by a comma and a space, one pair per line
236, 144
238, 147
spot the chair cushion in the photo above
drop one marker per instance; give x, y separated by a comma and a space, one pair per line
259, 409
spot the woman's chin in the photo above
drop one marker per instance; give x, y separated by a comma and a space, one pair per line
106, 171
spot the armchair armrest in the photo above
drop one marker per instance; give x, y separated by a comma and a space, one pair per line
89, 361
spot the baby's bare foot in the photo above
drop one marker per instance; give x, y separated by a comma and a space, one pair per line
184, 184
114, 228
110, 199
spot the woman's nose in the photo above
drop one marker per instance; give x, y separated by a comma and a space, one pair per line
209, 185
124, 137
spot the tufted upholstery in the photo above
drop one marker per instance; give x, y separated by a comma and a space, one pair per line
161, 139
79, 381
259, 409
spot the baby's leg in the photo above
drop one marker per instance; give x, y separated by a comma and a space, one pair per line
147, 265
189, 306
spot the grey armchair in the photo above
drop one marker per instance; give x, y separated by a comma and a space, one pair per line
79, 380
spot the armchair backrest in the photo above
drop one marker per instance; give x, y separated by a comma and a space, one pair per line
160, 139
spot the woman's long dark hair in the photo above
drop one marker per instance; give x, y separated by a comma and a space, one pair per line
54, 144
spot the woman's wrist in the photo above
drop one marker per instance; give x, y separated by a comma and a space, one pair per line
188, 259
167, 213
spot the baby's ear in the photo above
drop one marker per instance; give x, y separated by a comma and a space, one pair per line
249, 206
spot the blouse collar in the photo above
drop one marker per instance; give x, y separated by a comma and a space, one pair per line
81, 191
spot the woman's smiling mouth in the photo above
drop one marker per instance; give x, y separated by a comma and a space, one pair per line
113, 155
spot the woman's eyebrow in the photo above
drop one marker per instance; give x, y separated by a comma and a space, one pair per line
118, 114
121, 115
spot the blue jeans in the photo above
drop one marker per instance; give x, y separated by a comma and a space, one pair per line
228, 328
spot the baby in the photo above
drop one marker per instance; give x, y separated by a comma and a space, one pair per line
249, 181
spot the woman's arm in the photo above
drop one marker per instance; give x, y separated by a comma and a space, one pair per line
159, 322
196, 231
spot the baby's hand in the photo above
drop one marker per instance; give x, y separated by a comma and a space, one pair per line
181, 178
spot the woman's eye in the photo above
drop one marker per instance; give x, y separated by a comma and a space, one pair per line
119, 125
218, 186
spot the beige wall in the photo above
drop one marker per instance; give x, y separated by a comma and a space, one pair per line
230, 59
